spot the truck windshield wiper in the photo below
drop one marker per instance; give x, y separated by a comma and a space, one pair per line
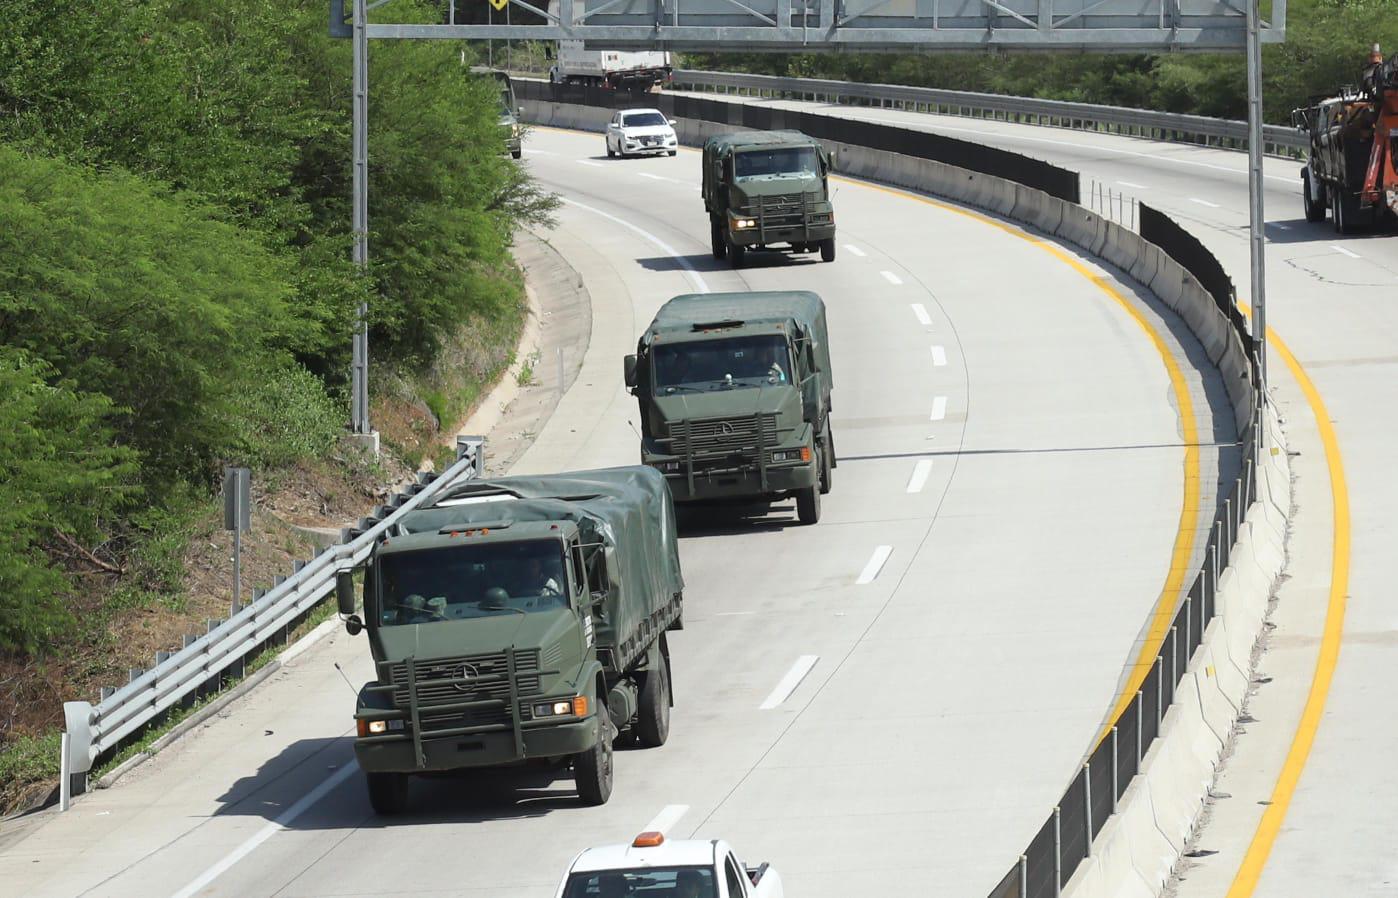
673, 387
502, 608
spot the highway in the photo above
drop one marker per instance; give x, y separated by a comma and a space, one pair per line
892, 699
1329, 815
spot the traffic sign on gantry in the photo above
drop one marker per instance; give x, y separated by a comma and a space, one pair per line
814, 25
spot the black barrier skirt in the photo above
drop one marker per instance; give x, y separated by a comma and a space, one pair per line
1185, 248
1100, 776
1041, 873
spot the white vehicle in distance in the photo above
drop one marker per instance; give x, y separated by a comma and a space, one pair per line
634, 131
651, 867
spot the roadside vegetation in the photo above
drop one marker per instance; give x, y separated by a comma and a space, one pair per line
1327, 44
176, 294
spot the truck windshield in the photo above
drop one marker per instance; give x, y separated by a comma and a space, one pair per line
643, 120
652, 882
468, 581
761, 358
792, 161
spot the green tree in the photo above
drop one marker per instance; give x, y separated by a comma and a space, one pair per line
61, 485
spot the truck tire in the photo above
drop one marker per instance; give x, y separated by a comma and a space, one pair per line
720, 246
808, 504
1315, 208
653, 716
516, 154
827, 250
592, 769
737, 255
1345, 211
388, 793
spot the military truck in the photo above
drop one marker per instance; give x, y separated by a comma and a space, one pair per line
509, 109
734, 394
768, 189
518, 619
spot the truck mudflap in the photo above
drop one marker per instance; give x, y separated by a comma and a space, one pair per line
503, 686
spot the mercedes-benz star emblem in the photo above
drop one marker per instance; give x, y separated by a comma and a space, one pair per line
468, 673
725, 431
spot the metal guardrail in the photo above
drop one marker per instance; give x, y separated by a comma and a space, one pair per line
94, 730
1197, 129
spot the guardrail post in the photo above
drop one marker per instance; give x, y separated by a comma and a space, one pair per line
1024, 876
1188, 627
1159, 693
65, 783
1140, 708
1087, 804
1116, 781
1057, 852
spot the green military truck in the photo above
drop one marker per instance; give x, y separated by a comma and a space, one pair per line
764, 189
734, 393
518, 619
510, 112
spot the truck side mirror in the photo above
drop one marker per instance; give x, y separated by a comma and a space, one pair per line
344, 592
628, 365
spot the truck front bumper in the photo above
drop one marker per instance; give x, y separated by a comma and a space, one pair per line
765, 236
394, 753
739, 483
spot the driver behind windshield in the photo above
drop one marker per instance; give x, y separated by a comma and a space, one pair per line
468, 581
713, 361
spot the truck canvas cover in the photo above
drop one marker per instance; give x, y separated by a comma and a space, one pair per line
628, 510
806, 308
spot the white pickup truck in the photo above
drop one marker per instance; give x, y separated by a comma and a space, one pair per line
651, 867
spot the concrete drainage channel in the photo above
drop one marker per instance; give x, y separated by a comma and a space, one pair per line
1122, 825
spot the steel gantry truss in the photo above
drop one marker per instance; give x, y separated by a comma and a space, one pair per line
889, 25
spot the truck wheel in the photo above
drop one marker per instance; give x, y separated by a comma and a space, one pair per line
808, 504
1315, 208
827, 250
737, 254
388, 793
720, 246
516, 154
653, 717
592, 769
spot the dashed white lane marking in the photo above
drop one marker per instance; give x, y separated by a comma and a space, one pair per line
529, 151
789, 682
921, 312
271, 829
892, 278
695, 277
876, 563
851, 248
1133, 186
1343, 251
920, 473
732, 613
668, 817
1279, 226
939, 356
939, 408
588, 162
1195, 199
646, 174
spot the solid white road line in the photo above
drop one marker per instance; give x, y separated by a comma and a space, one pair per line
1195, 199
939, 408
851, 248
695, 277
588, 162
668, 817
922, 317
732, 613
1133, 186
920, 472
1342, 250
939, 356
789, 682
248, 847
892, 278
876, 563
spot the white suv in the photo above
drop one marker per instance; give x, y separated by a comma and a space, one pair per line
634, 131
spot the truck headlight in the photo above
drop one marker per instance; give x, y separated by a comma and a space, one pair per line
802, 454
667, 466
574, 707
744, 223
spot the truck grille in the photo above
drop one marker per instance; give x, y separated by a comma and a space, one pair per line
467, 678
714, 443
786, 210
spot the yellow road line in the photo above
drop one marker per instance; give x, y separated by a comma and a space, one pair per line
1272, 818
1165, 604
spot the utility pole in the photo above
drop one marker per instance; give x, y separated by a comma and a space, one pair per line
359, 377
